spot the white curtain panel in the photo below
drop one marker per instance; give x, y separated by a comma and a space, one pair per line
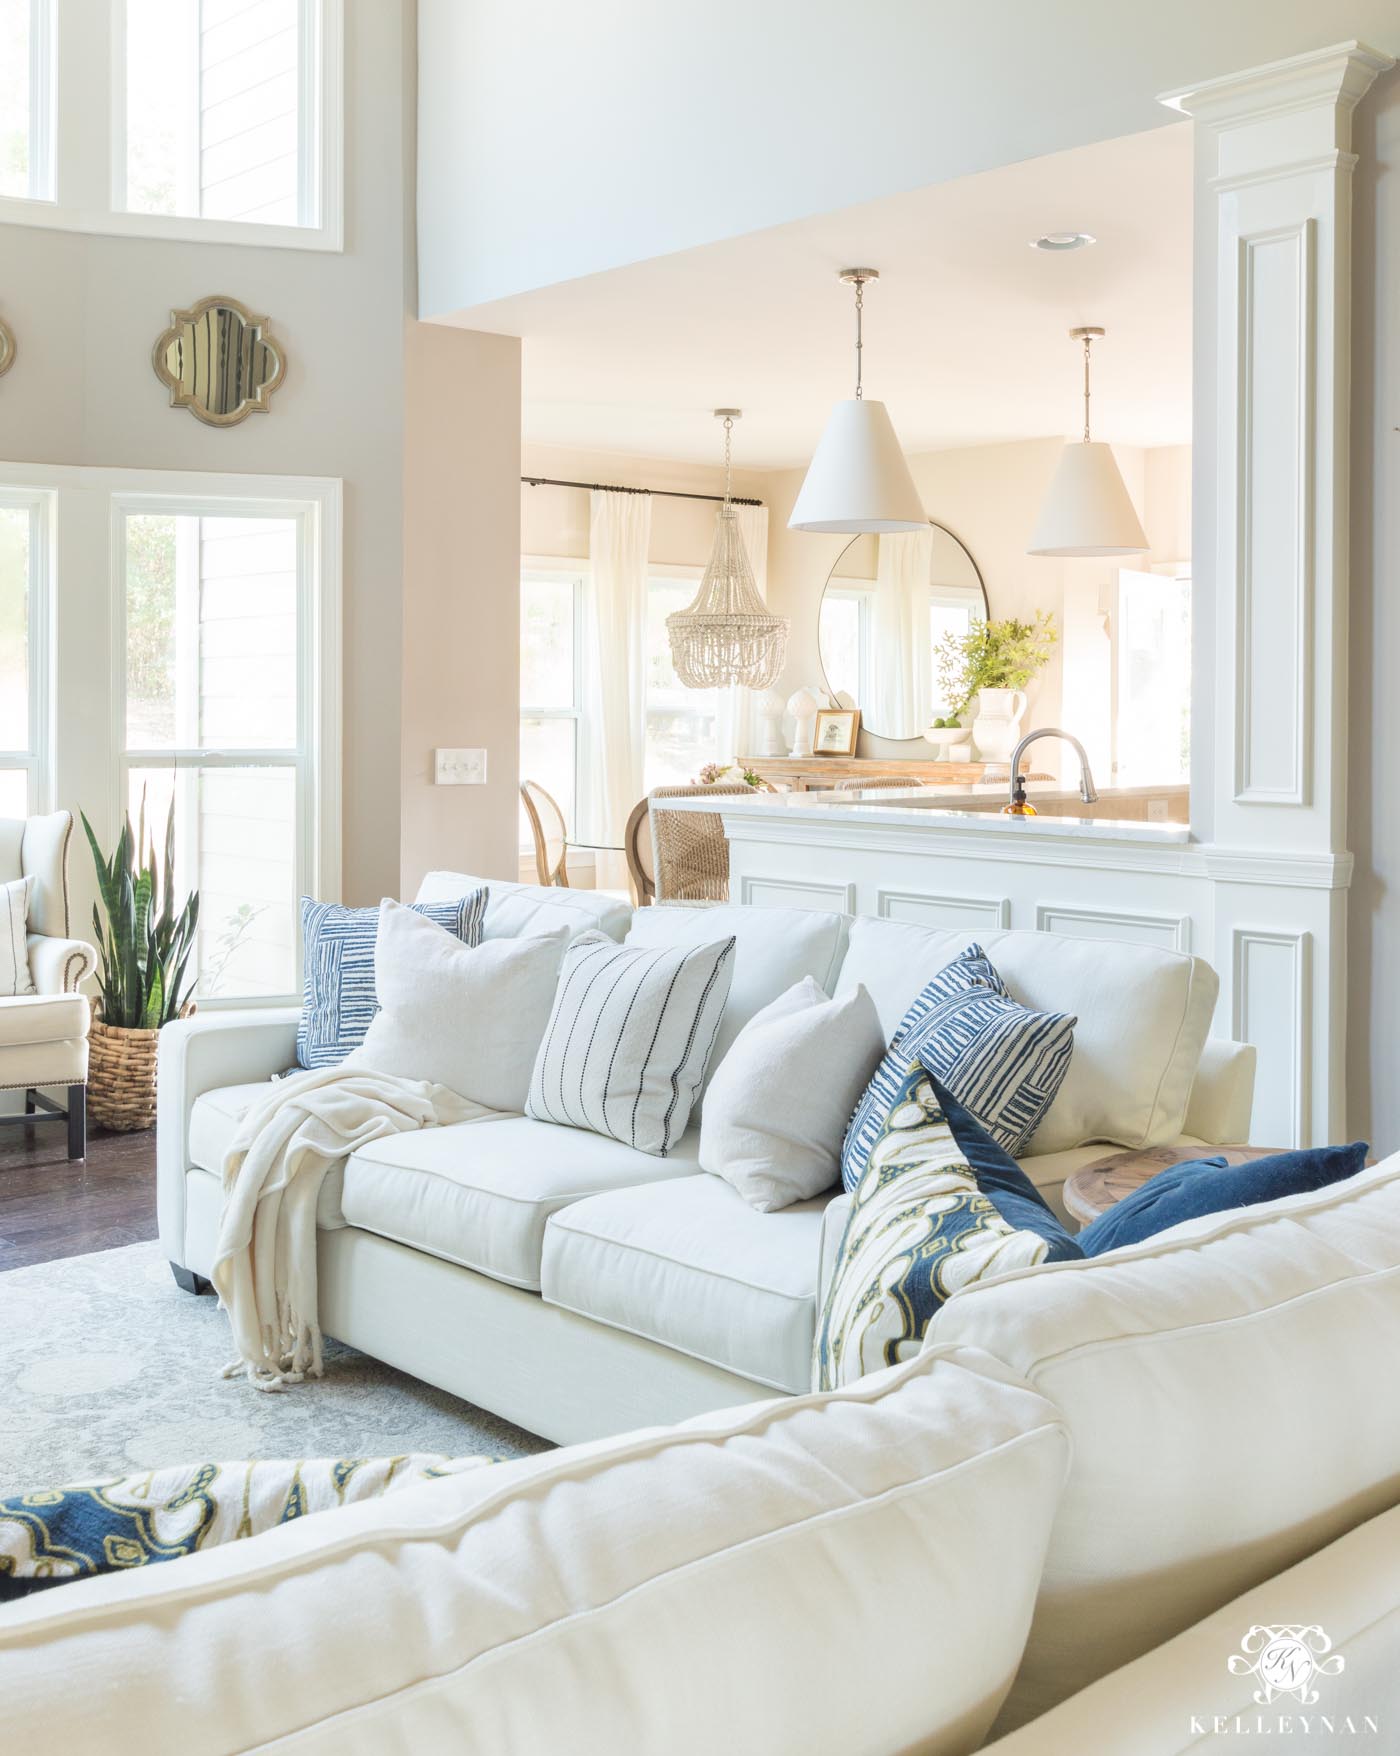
901, 683
735, 729
613, 756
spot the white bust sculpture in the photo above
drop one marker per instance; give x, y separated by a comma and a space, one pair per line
803, 707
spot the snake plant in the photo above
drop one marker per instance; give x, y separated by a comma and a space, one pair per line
145, 949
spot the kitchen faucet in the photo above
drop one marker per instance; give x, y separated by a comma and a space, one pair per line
1018, 806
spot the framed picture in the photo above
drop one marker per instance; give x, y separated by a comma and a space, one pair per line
836, 729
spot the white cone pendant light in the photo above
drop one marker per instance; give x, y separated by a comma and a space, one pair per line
858, 479
1087, 510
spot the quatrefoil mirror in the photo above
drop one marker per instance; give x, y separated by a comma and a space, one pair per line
219, 361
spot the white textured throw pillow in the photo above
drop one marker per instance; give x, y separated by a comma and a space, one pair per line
15, 977
469, 1017
630, 1037
778, 1103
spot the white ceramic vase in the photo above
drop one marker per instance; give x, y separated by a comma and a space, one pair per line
997, 729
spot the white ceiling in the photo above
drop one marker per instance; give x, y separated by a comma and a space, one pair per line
965, 333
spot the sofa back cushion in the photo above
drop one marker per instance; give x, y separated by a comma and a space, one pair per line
1143, 1015
672, 1590
774, 948
516, 910
1230, 1395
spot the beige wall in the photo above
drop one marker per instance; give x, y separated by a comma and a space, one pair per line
461, 598
85, 311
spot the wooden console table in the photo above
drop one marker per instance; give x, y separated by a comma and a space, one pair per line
804, 774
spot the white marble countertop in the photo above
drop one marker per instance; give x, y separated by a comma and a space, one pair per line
923, 808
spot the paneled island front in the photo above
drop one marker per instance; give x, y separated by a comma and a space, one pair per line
1264, 924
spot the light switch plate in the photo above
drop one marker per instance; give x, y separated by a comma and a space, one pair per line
1156, 810
459, 768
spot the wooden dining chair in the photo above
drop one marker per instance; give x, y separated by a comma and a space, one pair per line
547, 826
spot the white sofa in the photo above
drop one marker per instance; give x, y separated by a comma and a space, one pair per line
1141, 1459
580, 1288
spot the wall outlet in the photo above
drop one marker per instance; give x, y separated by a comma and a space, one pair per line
1156, 810
459, 768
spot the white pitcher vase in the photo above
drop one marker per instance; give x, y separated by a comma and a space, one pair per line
997, 727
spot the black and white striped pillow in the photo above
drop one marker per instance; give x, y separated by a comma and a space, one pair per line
629, 1038
14, 944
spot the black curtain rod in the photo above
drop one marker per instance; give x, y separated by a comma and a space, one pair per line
613, 488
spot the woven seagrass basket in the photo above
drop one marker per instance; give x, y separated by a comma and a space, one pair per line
121, 1091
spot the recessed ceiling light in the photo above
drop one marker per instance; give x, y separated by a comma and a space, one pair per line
1063, 241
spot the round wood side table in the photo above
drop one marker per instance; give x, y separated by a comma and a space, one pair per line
1101, 1185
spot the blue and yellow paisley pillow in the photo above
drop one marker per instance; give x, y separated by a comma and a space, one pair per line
919, 1230
58, 1534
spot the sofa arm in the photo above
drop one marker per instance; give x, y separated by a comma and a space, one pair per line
1222, 1098
59, 965
200, 1054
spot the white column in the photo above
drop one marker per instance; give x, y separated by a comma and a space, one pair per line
1274, 537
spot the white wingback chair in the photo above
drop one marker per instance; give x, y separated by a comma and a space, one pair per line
43, 1036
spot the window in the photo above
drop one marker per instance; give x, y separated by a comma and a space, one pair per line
226, 118
683, 725
23, 652
551, 606
220, 110
217, 689
211, 606
1153, 684
26, 82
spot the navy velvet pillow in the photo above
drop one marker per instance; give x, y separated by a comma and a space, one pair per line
1205, 1186
1002, 1180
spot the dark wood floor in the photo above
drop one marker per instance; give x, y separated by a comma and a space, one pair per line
50, 1207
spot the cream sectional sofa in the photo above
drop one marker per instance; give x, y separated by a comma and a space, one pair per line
580, 1288
1051, 1534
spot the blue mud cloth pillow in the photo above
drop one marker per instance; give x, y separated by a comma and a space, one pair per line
337, 960
1005, 1061
1204, 1186
1002, 1180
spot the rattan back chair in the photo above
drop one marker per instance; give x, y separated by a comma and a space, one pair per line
690, 853
856, 785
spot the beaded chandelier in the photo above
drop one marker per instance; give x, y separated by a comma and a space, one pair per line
728, 635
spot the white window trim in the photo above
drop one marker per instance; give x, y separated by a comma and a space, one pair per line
88, 173
86, 542
37, 759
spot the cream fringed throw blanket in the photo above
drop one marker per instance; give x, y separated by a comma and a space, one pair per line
265, 1265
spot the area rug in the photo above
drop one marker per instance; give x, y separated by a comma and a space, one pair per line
106, 1366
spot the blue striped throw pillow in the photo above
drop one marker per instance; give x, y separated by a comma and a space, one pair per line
1003, 1061
337, 953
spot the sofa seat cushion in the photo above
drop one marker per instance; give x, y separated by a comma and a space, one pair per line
479, 1193
691, 1265
1143, 1014
42, 1018
1228, 1389
214, 1121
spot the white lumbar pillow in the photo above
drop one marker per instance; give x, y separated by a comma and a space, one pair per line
15, 977
469, 1017
778, 1103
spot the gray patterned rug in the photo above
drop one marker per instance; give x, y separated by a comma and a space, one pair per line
106, 1366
